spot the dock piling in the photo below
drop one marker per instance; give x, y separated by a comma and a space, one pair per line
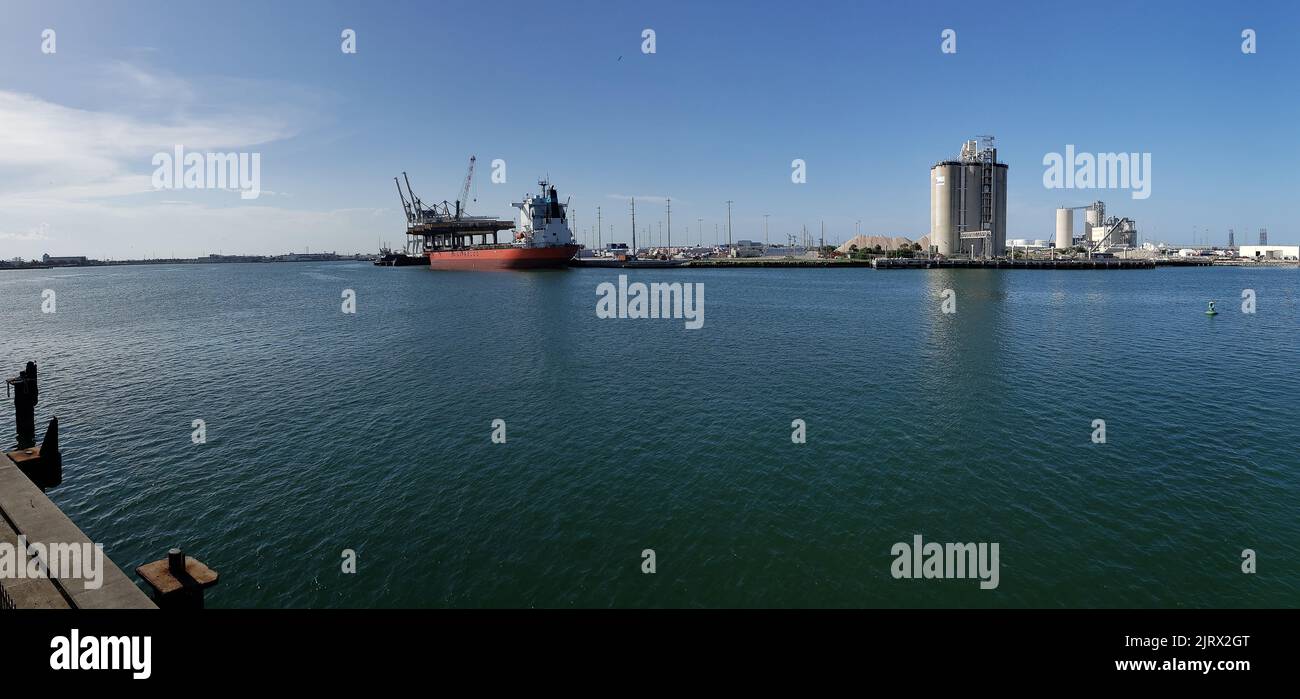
25, 398
178, 581
43, 464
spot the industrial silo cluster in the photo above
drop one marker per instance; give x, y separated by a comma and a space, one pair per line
968, 203
1100, 232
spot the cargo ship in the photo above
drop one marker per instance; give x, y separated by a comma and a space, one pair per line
451, 240
541, 239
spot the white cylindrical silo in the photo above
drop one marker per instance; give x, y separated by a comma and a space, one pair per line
944, 190
1064, 228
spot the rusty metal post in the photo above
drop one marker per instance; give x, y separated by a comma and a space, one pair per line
178, 581
25, 398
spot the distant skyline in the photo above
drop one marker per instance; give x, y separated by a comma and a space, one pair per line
731, 96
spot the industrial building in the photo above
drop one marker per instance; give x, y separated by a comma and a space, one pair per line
747, 248
68, 261
1027, 244
1270, 252
968, 202
1100, 233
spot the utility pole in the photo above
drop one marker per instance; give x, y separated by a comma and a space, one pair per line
668, 205
728, 224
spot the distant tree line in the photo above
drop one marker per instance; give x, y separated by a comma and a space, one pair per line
877, 251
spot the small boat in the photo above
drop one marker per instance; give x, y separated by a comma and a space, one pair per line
390, 258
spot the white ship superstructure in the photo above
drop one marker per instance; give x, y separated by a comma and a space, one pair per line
543, 220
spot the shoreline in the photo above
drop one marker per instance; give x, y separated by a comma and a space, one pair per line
761, 263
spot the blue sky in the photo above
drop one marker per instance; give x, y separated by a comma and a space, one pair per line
734, 92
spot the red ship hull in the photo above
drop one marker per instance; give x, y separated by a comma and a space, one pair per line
502, 258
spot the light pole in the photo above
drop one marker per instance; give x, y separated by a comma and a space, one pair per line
668, 205
728, 224
766, 241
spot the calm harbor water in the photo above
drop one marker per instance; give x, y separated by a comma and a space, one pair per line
328, 431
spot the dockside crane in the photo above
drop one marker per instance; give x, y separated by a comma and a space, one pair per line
462, 204
445, 224
418, 212
406, 205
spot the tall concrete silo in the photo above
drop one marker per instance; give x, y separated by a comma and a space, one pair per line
969, 196
1064, 228
945, 193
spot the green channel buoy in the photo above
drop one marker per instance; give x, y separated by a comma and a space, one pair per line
1210, 311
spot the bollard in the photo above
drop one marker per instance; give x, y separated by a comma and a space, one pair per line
176, 562
178, 581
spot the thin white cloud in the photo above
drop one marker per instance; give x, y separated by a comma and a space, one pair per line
86, 172
25, 237
51, 152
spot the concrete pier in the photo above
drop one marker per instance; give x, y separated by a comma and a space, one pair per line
26, 511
